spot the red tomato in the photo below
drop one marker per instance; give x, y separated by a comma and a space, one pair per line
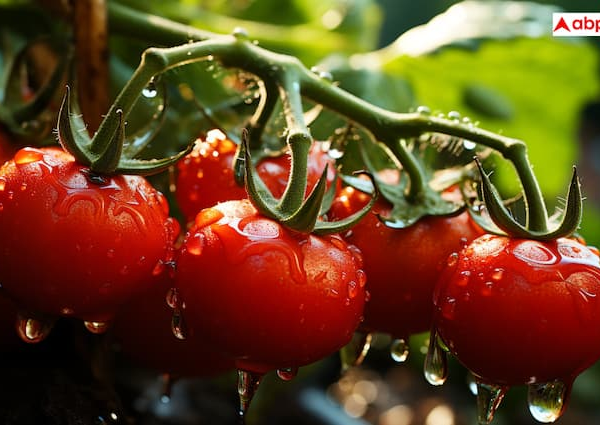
269, 297
143, 330
205, 176
74, 244
517, 311
402, 265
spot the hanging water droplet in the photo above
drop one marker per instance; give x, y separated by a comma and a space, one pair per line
96, 327
436, 363
423, 110
150, 90
399, 350
547, 401
472, 383
33, 330
354, 353
247, 385
167, 387
178, 325
489, 397
469, 145
326, 75
288, 373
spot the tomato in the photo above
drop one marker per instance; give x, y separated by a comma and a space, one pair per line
142, 328
205, 176
516, 311
402, 265
75, 244
269, 297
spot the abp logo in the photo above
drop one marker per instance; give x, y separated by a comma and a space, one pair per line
575, 24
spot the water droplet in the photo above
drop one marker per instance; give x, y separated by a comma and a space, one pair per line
96, 327
472, 383
150, 90
361, 277
436, 363
454, 115
452, 259
469, 145
172, 298
335, 153
159, 267
547, 401
195, 244
33, 330
240, 33
28, 155
247, 385
489, 397
167, 387
326, 75
177, 324
352, 289
288, 373
23, 186
2, 184
423, 110
497, 274
207, 217
399, 350
463, 278
354, 353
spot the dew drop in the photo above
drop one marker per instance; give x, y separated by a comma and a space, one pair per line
326, 75
547, 401
454, 115
361, 278
159, 267
287, 373
150, 91
195, 244
463, 278
240, 33
167, 387
354, 353
23, 186
469, 145
335, 153
247, 385
352, 289
489, 397
2, 184
96, 327
33, 330
436, 364
172, 298
28, 155
399, 350
207, 217
423, 110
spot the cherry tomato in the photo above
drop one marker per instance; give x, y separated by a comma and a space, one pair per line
143, 329
268, 297
75, 244
402, 265
205, 176
516, 311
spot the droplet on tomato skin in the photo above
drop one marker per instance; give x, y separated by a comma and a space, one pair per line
207, 217
448, 308
547, 401
353, 289
195, 244
354, 353
96, 327
33, 330
399, 350
28, 155
452, 259
159, 268
287, 373
247, 385
497, 274
489, 397
2, 184
435, 367
463, 278
361, 278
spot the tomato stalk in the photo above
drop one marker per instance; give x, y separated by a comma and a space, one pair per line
293, 82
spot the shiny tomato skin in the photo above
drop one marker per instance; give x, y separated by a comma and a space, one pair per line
268, 297
402, 265
75, 247
516, 311
205, 176
142, 328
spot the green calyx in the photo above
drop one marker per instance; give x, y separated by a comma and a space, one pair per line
103, 153
293, 210
502, 222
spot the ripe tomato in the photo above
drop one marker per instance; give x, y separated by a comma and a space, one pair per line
402, 265
205, 176
143, 329
74, 244
517, 311
268, 297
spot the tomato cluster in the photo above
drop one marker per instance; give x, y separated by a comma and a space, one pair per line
239, 290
